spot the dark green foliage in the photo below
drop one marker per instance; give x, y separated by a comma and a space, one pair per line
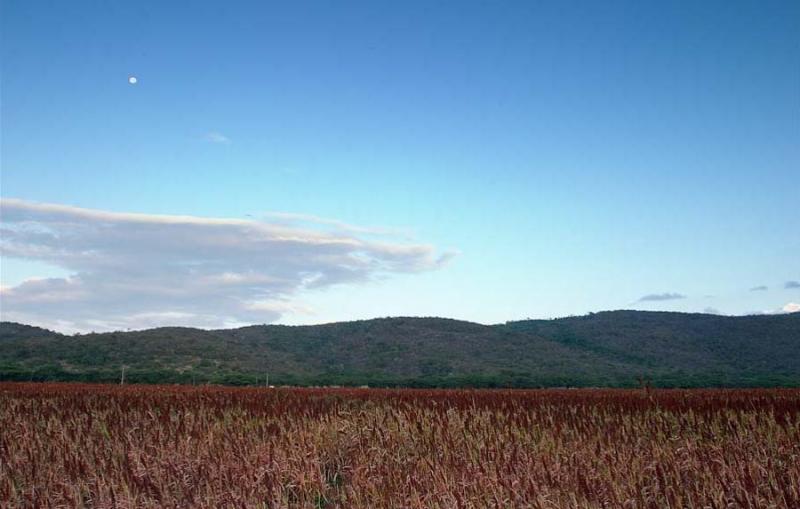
614, 349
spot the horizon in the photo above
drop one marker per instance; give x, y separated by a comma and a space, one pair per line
301, 164
588, 314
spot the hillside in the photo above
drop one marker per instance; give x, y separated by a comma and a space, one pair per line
618, 348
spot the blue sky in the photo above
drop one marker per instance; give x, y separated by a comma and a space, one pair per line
577, 156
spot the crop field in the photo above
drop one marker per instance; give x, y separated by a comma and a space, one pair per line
73, 445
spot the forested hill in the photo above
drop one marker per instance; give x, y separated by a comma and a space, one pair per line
615, 348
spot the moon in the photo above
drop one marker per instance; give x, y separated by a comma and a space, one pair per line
132, 80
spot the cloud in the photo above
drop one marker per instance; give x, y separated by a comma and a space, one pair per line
657, 297
760, 288
215, 137
711, 311
142, 270
289, 218
791, 285
790, 307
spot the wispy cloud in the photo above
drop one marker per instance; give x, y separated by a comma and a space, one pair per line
657, 297
760, 288
290, 218
216, 137
140, 270
791, 285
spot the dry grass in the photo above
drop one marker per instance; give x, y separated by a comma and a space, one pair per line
71, 445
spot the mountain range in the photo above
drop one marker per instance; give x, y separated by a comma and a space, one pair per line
606, 349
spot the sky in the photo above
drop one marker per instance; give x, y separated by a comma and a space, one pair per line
307, 162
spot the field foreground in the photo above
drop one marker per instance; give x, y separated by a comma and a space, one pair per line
73, 445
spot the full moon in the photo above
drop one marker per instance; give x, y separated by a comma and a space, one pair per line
132, 80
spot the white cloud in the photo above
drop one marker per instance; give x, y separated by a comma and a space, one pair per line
142, 270
791, 307
215, 137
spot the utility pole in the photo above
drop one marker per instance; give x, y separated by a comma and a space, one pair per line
122, 378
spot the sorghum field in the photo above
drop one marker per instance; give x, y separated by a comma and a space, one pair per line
73, 445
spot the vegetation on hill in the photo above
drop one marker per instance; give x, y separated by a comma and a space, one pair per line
614, 349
